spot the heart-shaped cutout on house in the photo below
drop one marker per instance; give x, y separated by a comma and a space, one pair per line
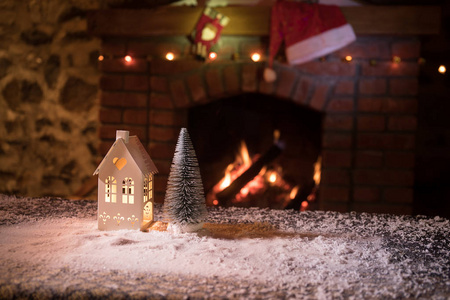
119, 162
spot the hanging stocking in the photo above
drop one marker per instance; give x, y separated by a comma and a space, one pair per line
207, 31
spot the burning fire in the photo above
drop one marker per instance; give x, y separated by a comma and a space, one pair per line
233, 171
268, 186
266, 178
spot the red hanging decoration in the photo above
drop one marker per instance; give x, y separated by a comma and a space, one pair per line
207, 31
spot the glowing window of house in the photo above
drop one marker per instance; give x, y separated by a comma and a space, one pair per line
150, 187
110, 189
148, 192
128, 190
145, 189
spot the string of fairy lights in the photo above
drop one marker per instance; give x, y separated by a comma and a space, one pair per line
257, 57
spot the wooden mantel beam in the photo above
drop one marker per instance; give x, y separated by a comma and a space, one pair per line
255, 21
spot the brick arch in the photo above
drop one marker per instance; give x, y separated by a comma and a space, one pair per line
157, 108
203, 84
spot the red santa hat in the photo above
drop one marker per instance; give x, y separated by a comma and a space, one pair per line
309, 31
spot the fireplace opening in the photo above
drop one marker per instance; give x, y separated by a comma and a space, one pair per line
257, 150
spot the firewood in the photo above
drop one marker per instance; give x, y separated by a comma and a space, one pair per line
302, 195
226, 196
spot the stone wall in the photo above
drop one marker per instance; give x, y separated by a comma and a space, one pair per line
48, 97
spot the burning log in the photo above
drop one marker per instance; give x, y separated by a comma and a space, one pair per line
225, 196
303, 194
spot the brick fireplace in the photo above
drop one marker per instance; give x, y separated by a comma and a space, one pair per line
369, 106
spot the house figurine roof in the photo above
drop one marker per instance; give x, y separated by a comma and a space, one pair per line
136, 150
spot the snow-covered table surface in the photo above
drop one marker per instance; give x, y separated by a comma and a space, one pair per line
51, 248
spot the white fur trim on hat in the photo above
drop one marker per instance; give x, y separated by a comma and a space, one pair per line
320, 45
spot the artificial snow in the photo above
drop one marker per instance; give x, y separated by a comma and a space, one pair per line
243, 253
178, 229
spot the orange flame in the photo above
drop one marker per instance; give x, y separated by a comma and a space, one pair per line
317, 170
294, 192
245, 156
258, 185
263, 171
226, 181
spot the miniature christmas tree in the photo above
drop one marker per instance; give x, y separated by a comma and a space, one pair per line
184, 204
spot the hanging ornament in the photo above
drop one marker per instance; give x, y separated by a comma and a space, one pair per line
207, 31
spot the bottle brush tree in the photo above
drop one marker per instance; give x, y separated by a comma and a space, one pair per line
184, 203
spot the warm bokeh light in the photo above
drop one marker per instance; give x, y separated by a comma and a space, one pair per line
442, 69
396, 59
304, 205
170, 56
212, 55
273, 177
101, 58
348, 58
276, 135
256, 57
216, 202
128, 58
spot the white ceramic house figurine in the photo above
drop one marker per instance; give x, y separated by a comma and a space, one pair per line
125, 185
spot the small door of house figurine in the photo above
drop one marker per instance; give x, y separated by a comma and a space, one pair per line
125, 185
